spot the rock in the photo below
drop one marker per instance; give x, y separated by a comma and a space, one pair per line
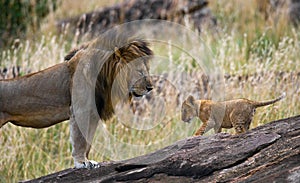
97, 22
276, 8
294, 12
265, 154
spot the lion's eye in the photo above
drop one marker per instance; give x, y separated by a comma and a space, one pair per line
141, 73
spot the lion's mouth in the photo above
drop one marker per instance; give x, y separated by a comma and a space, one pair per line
139, 93
136, 94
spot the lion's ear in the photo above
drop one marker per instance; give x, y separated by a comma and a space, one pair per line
118, 52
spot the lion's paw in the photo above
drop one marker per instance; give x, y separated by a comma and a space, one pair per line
90, 164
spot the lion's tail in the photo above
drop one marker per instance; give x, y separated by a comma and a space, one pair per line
269, 102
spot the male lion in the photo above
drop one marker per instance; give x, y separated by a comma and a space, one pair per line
97, 73
236, 113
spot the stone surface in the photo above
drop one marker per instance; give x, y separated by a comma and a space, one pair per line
265, 154
97, 22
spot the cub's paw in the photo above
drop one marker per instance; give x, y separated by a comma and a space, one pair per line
89, 164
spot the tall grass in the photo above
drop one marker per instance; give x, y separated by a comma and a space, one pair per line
246, 45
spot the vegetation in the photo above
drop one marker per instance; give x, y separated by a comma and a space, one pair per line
266, 51
17, 17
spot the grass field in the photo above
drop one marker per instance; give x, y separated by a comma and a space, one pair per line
266, 52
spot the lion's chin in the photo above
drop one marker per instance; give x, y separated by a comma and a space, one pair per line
187, 120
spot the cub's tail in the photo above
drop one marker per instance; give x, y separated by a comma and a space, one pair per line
264, 103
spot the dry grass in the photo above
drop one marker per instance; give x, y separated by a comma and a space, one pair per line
246, 44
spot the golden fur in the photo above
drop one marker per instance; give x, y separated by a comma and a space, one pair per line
236, 113
50, 96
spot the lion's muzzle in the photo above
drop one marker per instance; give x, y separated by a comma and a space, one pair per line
141, 87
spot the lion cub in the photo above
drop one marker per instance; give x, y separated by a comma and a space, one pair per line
236, 113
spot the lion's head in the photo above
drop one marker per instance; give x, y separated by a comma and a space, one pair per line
188, 109
133, 67
123, 71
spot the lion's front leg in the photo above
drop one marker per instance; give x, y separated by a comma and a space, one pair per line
81, 136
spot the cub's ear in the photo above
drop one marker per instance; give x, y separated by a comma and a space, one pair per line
191, 100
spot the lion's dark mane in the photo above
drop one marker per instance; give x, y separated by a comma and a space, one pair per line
129, 47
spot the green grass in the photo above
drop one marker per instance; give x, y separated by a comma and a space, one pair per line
246, 44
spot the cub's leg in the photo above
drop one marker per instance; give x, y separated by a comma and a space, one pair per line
238, 123
217, 125
206, 126
218, 129
2, 120
239, 127
212, 123
201, 130
81, 138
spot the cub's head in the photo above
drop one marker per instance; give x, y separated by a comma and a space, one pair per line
188, 109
